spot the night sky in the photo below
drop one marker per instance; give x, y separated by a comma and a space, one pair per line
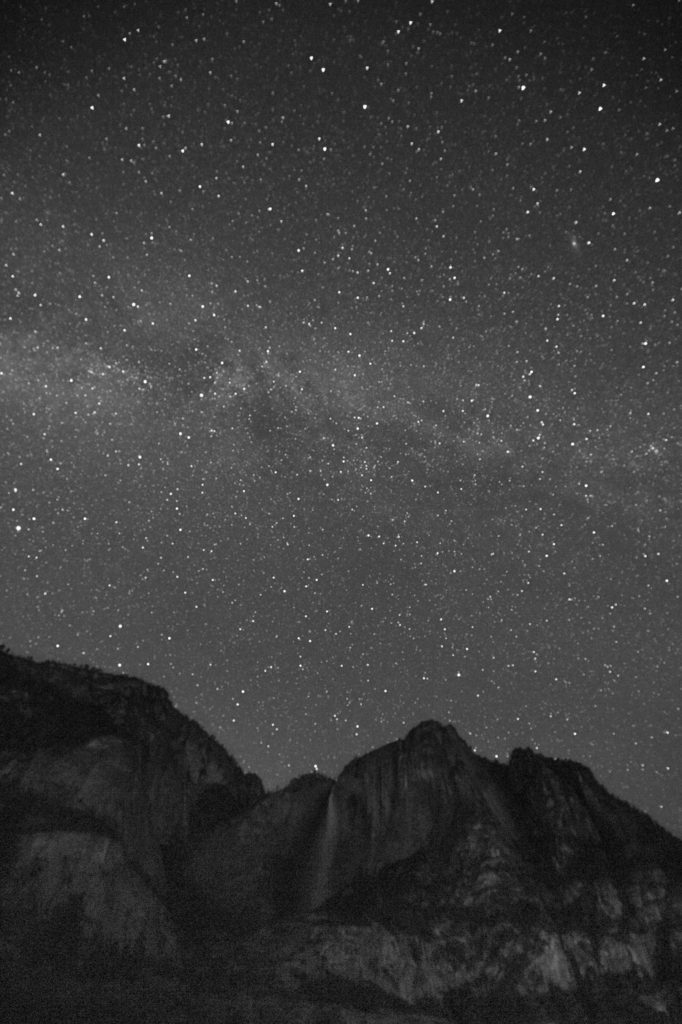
340, 370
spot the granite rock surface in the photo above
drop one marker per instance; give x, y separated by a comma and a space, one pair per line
144, 875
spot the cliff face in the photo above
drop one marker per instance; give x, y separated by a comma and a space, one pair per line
520, 892
425, 884
402, 798
101, 781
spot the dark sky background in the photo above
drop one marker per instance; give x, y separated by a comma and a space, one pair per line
340, 370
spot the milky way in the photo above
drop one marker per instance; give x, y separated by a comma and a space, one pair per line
340, 372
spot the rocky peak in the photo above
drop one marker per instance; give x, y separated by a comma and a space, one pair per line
399, 799
426, 883
573, 819
430, 756
431, 732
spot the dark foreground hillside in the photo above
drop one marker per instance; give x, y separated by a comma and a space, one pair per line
145, 878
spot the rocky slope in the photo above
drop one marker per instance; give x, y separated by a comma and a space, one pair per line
424, 884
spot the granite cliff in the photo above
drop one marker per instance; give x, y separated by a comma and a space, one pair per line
144, 876
101, 782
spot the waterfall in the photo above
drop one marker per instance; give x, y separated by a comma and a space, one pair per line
324, 849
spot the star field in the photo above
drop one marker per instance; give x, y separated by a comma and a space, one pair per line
340, 378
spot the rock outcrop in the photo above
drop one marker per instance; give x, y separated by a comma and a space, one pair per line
519, 892
101, 782
425, 884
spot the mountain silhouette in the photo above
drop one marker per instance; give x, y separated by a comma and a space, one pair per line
144, 876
